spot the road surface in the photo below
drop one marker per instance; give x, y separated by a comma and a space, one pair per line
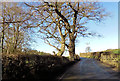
88, 69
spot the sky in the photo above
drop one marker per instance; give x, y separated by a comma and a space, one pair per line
108, 28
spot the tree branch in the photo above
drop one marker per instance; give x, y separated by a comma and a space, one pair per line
47, 42
11, 22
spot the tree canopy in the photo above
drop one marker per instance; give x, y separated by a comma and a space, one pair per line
66, 19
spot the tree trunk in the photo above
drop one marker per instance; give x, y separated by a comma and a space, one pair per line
72, 49
8, 46
2, 40
60, 53
8, 42
3, 32
62, 49
14, 38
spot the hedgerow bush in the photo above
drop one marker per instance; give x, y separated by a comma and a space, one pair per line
31, 67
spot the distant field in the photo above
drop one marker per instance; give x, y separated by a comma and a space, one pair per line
114, 51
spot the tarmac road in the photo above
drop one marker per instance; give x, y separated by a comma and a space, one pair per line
89, 69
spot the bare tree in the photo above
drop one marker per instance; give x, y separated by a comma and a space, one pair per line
73, 15
54, 33
15, 26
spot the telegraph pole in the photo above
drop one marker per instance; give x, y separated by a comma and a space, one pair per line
3, 28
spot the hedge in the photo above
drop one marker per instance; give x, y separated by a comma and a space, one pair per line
31, 67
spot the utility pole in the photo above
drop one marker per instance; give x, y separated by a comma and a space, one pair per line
3, 28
